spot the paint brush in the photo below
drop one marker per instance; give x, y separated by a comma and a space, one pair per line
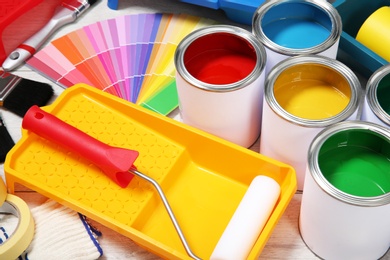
6, 141
66, 13
19, 94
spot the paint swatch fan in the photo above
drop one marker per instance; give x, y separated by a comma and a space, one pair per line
130, 56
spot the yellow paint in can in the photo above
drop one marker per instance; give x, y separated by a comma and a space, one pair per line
375, 32
312, 92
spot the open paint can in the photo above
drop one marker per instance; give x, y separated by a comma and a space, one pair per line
376, 106
345, 210
304, 94
220, 82
296, 27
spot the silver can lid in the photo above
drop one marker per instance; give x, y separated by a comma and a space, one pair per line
226, 30
372, 93
321, 180
330, 66
325, 7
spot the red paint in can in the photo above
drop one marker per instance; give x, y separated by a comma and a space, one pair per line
220, 58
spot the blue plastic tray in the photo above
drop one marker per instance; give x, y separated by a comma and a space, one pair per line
351, 52
240, 11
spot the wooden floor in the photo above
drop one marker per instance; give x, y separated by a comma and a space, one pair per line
285, 242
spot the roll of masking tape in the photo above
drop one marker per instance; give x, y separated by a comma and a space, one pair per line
3, 191
375, 32
21, 238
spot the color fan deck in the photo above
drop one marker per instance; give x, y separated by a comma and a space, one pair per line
129, 56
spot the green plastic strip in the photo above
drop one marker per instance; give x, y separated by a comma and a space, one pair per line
163, 101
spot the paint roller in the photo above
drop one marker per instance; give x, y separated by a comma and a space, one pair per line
248, 220
117, 163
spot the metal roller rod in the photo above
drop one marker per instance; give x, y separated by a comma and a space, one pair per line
169, 210
54, 129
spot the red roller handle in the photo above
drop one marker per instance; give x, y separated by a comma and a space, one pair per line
115, 162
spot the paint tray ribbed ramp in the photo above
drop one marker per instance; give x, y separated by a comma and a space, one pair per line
203, 177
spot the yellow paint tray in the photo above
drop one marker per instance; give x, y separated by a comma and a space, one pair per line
203, 177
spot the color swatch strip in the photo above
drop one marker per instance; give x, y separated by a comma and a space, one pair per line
130, 56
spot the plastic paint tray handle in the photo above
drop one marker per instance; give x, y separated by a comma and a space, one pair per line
115, 162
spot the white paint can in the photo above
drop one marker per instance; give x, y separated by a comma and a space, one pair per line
220, 82
297, 27
304, 94
376, 107
345, 210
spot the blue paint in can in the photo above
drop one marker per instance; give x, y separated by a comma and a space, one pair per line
296, 25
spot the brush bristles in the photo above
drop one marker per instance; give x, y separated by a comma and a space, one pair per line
6, 141
26, 94
92, 2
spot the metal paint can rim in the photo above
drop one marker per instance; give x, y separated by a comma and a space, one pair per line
338, 67
371, 93
328, 8
323, 183
228, 29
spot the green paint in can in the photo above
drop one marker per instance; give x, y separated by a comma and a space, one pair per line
357, 162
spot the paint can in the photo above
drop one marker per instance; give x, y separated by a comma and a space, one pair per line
297, 27
220, 82
345, 209
375, 32
302, 95
376, 107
